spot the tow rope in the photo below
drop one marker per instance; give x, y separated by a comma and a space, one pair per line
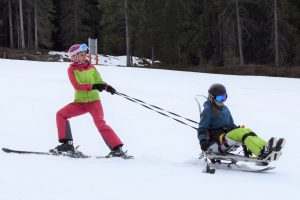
158, 110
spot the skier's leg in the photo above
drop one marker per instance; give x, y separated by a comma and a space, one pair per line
255, 144
244, 135
62, 122
109, 136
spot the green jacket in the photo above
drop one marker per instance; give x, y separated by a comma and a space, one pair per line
82, 76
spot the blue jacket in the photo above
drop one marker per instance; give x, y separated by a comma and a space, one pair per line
214, 119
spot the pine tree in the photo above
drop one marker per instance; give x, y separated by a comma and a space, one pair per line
202, 42
43, 19
172, 19
76, 21
112, 27
146, 16
279, 29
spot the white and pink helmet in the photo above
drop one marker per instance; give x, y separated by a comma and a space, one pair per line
75, 49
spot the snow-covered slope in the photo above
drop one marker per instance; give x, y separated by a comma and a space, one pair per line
107, 59
166, 152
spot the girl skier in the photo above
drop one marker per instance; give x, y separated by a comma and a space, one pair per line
86, 81
218, 132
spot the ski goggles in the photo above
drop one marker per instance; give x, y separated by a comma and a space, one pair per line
220, 98
83, 47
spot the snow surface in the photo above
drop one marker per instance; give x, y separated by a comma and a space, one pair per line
166, 164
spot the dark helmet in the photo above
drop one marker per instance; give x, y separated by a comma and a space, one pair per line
217, 89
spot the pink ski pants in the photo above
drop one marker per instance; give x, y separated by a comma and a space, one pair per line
96, 111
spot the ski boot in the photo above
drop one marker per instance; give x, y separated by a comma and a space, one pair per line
278, 147
280, 144
64, 148
118, 152
67, 149
272, 150
266, 152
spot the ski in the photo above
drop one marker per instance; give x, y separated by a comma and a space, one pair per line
24, 152
107, 157
76, 155
232, 161
241, 167
234, 158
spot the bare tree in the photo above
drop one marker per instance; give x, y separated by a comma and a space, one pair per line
21, 25
128, 48
240, 33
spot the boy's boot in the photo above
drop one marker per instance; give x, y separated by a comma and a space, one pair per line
268, 149
280, 144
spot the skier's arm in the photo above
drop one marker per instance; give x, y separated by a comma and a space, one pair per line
97, 77
100, 84
76, 85
232, 124
204, 124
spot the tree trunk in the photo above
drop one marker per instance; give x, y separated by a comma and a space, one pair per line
36, 39
18, 29
221, 43
200, 57
240, 33
178, 52
11, 33
21, 25
29, 32
276, 43
128, 61
152, 54
75, 21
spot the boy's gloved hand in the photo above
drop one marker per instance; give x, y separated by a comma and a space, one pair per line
100, 87
204, 145
111, 90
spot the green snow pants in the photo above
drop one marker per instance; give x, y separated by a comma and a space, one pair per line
254, 143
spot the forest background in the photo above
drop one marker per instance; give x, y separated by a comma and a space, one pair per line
232, 36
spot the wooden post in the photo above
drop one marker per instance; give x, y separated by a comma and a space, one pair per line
4, 54
97, 59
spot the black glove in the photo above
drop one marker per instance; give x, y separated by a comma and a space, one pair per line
204, 145
100, 87
110, 89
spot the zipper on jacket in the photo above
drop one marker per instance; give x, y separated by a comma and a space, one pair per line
87, 92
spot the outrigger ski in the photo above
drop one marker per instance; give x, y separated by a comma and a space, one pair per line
71, 155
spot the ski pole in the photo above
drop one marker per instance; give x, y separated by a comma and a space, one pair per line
150, 107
